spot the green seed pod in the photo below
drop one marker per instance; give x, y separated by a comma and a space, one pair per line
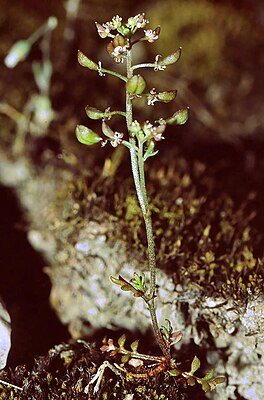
178, 118
172, 58
86, 135
107, 131
93, 113
119, 41
136, 84
84, 61
17, 53
166, 97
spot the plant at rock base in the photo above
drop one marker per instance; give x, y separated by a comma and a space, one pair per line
140, 139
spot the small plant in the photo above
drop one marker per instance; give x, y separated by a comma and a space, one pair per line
140, 139
37, 113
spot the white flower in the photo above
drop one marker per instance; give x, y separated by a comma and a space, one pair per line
154, 131
151, 100
147, 128
141, 20
117, 139
152, 97
119, 51
151, 35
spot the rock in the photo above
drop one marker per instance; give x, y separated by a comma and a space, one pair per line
5, 335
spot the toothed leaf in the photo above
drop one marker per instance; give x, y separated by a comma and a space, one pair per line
195, 365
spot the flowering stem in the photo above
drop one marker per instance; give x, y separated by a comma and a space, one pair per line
137, 164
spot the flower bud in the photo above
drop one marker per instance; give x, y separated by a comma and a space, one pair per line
172, 58
93, 113
178, 118
17, 53
124, 30
150, 152
52, 22
86, 135
136, 84
166, 97
84, 61
135, 128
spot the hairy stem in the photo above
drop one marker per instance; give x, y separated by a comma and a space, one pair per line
137, 164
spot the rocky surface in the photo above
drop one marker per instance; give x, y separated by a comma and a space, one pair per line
83, 246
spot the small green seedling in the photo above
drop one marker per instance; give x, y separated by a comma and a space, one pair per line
37, 113
140, 139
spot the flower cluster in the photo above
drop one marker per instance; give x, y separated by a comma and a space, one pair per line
116, 24
148, 130
118, 47
141, 141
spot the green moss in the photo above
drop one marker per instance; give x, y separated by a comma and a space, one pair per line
201, 234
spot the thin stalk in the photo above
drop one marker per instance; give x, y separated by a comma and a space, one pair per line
145, 65
108, 71
137, 164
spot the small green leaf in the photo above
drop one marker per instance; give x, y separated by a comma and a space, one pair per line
125, 358
174, 372
195, 365
166, 331
150, 150
134, 346
172, 58
86, 135
121, 341
205, 386
210, 375
178, 118
219, 379
126, 286
84, 61
139, 282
